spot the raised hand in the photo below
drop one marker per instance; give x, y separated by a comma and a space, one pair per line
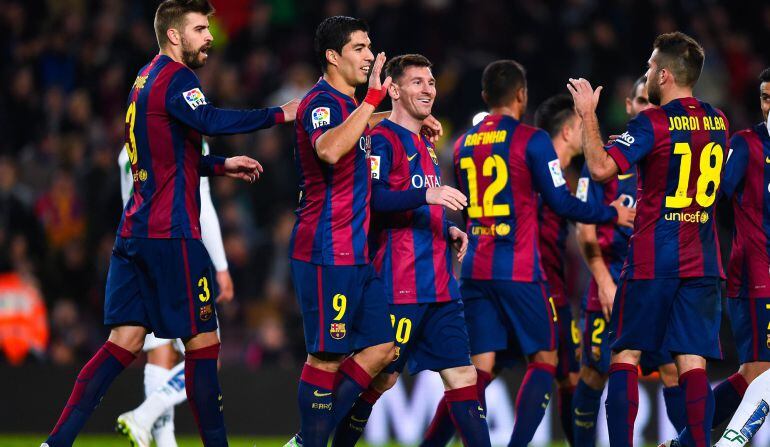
243, 167
585, 97
377, 90
446, 196
626, 215
290, 110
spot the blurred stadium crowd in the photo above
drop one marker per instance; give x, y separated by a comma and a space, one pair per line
68, 65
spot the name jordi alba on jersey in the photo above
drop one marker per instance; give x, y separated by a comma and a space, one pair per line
680, 150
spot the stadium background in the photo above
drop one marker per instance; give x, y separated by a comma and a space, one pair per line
67, 66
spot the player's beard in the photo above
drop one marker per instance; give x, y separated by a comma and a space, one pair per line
653, 91
191, 57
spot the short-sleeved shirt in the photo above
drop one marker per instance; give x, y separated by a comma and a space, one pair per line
333, 213
746, 180
413, 255
679, 150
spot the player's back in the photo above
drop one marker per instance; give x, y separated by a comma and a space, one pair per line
164, 156
680, 150
491, 168
333, 212
553, 230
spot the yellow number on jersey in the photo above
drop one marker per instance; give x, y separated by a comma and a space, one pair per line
710, 173
131, 143
489, 208
340, 305
553, 308
203, 283
599, 325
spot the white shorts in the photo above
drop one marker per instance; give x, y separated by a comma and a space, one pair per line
151, 342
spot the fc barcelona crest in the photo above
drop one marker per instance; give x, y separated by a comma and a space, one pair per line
206, 312
433, 155
337, 330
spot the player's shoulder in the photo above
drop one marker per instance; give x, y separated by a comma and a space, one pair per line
384, 135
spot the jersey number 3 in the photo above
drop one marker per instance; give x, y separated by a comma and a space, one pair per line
490, 209
131, 143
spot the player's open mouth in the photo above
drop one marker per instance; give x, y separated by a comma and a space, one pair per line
366, 69
425, 100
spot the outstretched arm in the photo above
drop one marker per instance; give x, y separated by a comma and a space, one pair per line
600, 164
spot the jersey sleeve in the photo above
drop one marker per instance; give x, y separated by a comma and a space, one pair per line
186, 102
735, 168
636, 142
550, 183
382, 161
589, 191
322, 113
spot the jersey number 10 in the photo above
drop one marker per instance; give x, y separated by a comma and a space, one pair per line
711, 160
490, 209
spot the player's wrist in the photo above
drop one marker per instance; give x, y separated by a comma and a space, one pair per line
374, 96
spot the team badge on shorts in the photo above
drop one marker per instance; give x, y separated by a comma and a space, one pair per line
398, 353
768, 341
206, 312
596, 353
337, 331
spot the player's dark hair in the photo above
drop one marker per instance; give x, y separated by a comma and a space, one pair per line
765, 75
681, 55
639, 81
501, 80
554, 112
333, 34
396, 67
170, 14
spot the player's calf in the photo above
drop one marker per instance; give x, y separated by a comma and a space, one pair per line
350, 429
585, 406
202, 386
465, 410
534, 395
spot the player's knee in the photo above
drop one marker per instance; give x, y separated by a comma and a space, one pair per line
668, 375
628, 356
130, 338
485, 362
383, 382
547, 357
752, 370
387, 353
593, 378
459, 377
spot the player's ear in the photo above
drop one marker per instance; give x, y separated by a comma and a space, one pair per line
393, 91
331, 57
173, 36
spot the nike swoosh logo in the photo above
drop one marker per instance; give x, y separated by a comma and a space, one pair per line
360, 421
625, 176
414, 155
767, 160
317, 393
583, 413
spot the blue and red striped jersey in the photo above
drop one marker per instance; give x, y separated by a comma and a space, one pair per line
333, 213
679, 150
413, 256
746, 180
553, 247
501, 165
612, 238
167, 113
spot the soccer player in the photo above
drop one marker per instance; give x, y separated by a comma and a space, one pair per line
501, 165
413, 241
669, 292
342, 300
747, 278
163, 376
160, 277
556, 115
604, 248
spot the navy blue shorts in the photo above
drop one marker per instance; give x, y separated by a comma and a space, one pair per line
165, 285
500, 312
750, 320
344, 308
651, 361
429, 336
676, 315
596, 347
569, 343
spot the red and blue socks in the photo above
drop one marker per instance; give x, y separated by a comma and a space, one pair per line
622, 403
566, 394
205, 395
727, 397
315, 397
468, 416
673, 396
350, 429
441, 428
699, 405
585, 408
91, 385
351, 380
531, 402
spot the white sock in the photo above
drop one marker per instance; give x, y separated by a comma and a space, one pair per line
750, 415
163, 430
169, 394
154, 377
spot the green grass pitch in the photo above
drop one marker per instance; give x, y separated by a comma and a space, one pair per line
115, 440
